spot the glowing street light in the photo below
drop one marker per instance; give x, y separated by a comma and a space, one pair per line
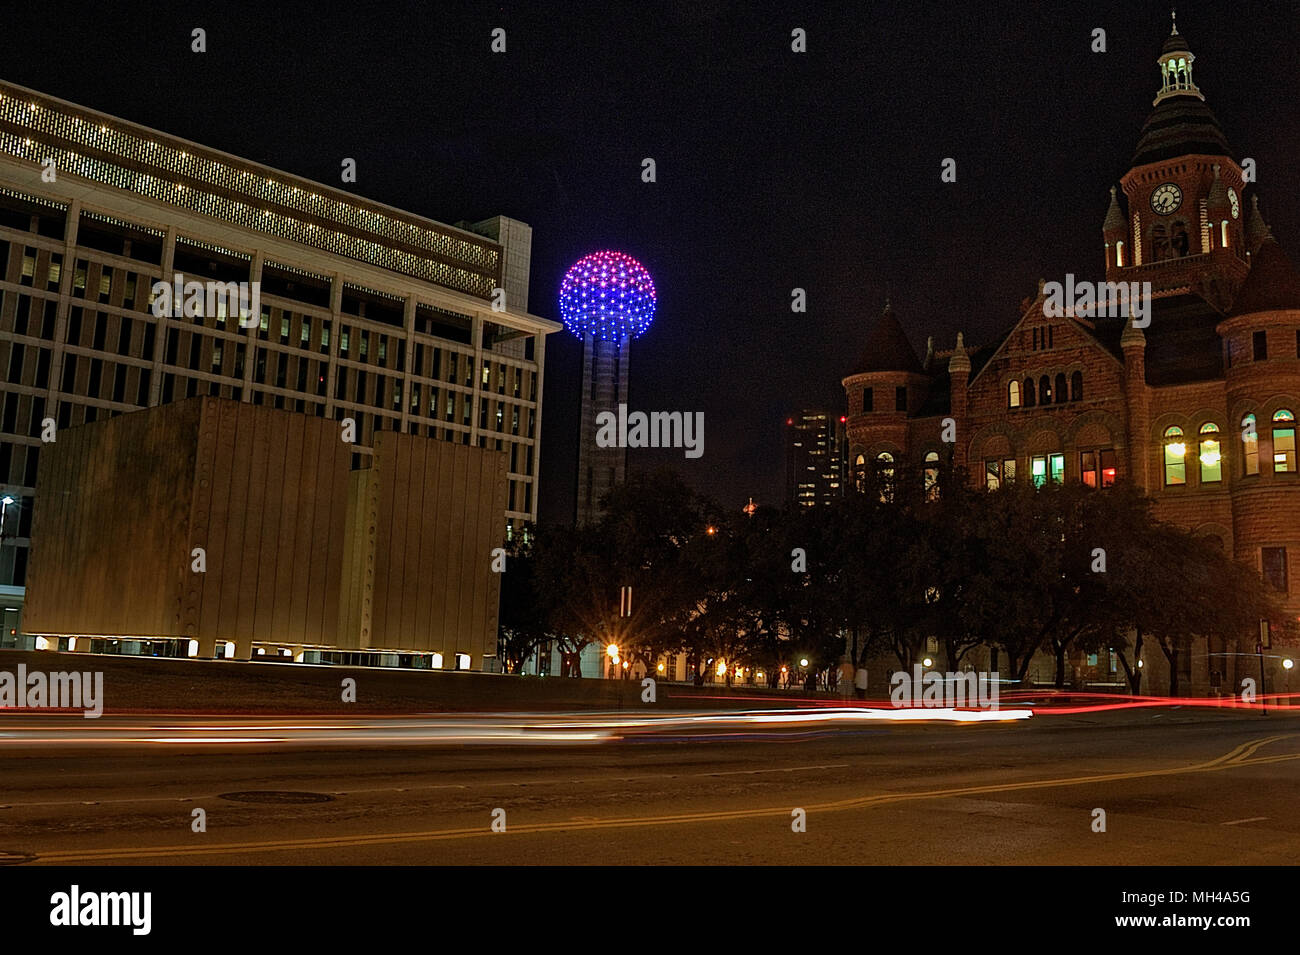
927, 662
803, 662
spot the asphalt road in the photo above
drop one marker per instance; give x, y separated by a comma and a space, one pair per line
1177, 787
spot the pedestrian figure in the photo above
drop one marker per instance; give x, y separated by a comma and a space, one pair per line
860, 682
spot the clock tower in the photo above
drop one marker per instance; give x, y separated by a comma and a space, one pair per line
1183, 231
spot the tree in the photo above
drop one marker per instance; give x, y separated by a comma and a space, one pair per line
525, 609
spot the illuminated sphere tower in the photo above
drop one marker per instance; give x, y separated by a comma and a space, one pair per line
606, 299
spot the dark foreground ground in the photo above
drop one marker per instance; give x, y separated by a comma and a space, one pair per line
1177, 787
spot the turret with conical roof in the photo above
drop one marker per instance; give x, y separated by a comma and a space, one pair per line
886, 386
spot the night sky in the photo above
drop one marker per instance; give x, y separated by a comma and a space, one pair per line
775, 169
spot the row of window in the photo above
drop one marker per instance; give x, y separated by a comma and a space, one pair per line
1259, 346
869, 401
1049, 390
1097, 468
1210, 450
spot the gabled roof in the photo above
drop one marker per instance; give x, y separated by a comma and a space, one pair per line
1272, 284
887, 348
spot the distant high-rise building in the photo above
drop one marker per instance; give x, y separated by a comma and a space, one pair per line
815, 458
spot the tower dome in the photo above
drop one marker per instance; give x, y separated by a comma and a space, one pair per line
1181, 124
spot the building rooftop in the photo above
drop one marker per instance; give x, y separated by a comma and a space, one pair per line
113, 152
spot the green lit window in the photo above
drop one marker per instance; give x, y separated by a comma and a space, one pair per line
1038, 470
1284, 442
1210, 455
1175, 457
1057, 466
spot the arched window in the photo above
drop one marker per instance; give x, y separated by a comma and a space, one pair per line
1076, 386
1249, 446
859, 470
1210, 454
1283, 442
1119, 253
1013, 395
1175, 457
1179, 242
885, 471
1059, 389
1159, 243
1044, 390
1029, 392
931, 473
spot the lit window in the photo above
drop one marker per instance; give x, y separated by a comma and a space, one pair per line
1038, 470
1210, 456
1283, 442
998, 473
1013, 395
1249, 446
1175, 457
1057, 467
931, 475
1088, 468
885, 470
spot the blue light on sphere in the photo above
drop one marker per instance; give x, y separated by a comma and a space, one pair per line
608, 295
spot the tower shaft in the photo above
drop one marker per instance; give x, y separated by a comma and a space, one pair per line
604, 388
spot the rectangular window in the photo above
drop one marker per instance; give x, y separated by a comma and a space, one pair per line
866, 399
1088, 468
1097, 468
1057, 462
1038, 470
1260, 343
1284, 450
1108, 468
998, 473
900, 399
1274, 566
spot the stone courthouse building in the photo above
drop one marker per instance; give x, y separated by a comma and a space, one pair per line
1195, 401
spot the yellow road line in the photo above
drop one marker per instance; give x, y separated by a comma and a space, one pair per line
1231, 760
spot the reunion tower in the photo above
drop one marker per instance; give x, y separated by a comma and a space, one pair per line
606, 299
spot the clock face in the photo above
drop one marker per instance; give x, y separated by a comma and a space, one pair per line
1166, 199
1236, 203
